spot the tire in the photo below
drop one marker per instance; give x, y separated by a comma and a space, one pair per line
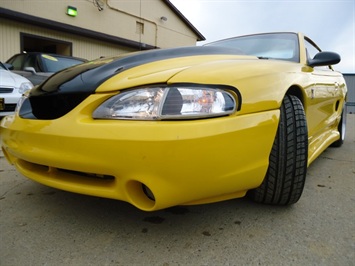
341, 128
286, 174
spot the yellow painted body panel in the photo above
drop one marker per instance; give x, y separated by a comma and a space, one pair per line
181, 162
262, 88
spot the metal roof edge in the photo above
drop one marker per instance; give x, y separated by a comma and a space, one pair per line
185, 20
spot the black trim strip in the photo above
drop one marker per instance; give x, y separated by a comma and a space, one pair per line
54, 25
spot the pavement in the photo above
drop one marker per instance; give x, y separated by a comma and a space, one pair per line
44, 226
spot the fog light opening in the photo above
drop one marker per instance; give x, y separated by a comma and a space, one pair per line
140, 195
148, 192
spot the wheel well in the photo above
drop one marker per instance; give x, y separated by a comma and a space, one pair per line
296, 91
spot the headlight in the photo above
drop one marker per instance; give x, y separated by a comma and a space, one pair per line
25, 87
162, 103
20, 102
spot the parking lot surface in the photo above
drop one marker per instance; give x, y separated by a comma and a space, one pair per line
44, 226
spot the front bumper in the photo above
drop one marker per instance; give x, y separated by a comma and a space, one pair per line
180, 162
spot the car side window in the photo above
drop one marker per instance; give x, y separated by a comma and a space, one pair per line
17, 61
31, 62
311, 50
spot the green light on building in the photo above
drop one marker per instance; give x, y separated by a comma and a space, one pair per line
72, 11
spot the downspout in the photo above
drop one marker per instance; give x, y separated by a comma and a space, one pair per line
137, 17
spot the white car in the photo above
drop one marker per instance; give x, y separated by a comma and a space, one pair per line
12, 86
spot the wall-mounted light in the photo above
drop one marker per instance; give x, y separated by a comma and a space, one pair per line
163, 18
72, 11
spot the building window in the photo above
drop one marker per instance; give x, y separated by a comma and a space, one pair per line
139, 28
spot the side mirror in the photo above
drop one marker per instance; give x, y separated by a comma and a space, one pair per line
9, 66
324, 59
30, 69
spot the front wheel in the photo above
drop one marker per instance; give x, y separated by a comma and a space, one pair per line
286, 175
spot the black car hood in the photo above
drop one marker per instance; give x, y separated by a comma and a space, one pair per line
66, 89
88, 76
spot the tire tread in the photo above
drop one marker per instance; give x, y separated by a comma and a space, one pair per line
285, 178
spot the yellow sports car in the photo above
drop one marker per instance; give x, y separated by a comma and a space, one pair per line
181, 126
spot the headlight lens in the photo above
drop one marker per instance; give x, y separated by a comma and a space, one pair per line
20, 102
25, 86
168, 103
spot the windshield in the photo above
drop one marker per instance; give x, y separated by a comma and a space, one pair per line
54, 63
283, 46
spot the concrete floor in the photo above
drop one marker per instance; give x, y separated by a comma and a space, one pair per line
44, 226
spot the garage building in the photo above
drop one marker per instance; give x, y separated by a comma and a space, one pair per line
92, 28
350, 83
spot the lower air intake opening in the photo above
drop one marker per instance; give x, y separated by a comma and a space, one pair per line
140, 195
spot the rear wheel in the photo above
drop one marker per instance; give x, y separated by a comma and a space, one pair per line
286, 174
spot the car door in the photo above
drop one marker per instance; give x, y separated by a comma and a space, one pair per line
324, 96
